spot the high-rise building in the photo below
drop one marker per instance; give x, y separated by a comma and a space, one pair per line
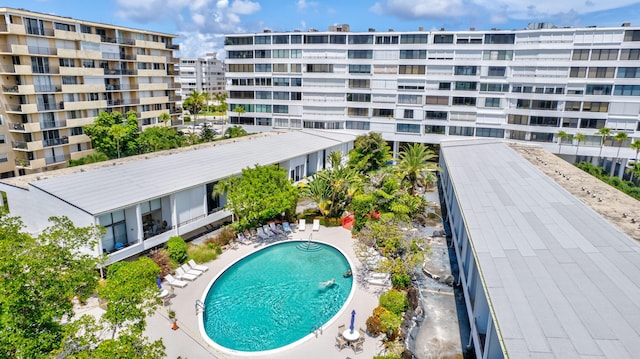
202, 74
57, 75
426, 86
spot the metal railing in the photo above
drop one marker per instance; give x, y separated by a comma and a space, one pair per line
20, 145
17, 126
55, 142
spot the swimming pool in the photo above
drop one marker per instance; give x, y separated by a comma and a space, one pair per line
273, 297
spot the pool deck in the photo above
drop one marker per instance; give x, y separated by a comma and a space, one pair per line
187, 342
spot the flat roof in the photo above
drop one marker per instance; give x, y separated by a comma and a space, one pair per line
103, 188
561, 280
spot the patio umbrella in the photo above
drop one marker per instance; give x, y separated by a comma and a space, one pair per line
353, 319
159, 282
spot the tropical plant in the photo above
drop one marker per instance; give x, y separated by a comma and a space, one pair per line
370, 153
90, 158
634, 170
165, 118
113, 134
620, 137
177, 248
158, 138
561, 137
195, 102
635, 145
207, 134
604, 132
235, 131
394, 300
415, 166
258, 194
580, 137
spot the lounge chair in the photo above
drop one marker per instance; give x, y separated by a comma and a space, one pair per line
197, 266
187, 269
274, 229
175, 282
302, 225
267, 231
242, 239
181, 274
286, 228
261, 234
248, 235
316, 225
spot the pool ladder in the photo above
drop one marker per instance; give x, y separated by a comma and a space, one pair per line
317, 328
199, 306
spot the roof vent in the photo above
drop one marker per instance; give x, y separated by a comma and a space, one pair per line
421, 28
372, 29
626, 24
442, 29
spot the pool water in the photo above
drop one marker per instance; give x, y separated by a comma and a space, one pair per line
273, 297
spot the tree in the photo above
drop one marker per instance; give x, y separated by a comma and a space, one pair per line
38, 279
207, 134
90, 158
235, 131
580, 137
113, 134
620, 137
604, 132
415, 165
258, 194
195, 102
561, 137
165, 118
370, 153
221, 98
239, 110
157, 138
635, 145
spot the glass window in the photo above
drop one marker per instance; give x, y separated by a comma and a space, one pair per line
359, 69
466, 70
414, 38
492, 102
413, 54
499, 38
360, 39
580, 54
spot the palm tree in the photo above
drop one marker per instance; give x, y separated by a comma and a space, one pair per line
620, 137
634, 171
635, 145
239, 110
164, 118
561, 137
604, 132
118, 131
414, 164
580, 137
195, 102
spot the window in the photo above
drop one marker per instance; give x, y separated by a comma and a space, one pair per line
280, 39
598, 90
604, 54
64, 27
464, 101
436, 115
499, 38
632, 35
460, 131
592, 123
407, 128
601, 72
627, 90
263, 67
581, 54
360, 54
435, 129
386, 40
544, 105
263, 54
493, 87
116, 230
357, 125
296, 54
263, 40
296, 96
319, 68
588, 106
578, 72
263, 95
411, 87
240, 67
382, 112
242, 40
241, 94
411, 69
630, 54
466, 85
280, 68
354, 111
444, 86
69, 80
466, 70
492, 102
489, 132
408, 114
496, 71
76, 131
280, 81
359, 97
40, 65
359, 69
280, 108
296, 81
544, 121
570, 122
497, 55
262, 81
34, 26
437, 100
360, 39
443, 39
413, 54
518, 119
296, 67
629, 72
263, 108
85, 29
359, 83
572, 106
240, 54
410, 99
338, 39
315, 39
280, 54
296, 39
414, 38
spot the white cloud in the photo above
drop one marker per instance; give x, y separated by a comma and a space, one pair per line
531, 9
415, 9
244, 7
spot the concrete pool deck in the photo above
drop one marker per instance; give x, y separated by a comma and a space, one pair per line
187, 342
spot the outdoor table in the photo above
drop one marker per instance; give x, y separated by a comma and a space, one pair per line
351, 336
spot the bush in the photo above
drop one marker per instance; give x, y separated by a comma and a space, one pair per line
177, 248
401, 281
374, 326
226, 236
395, 301
390, 323
161, 258
202, 253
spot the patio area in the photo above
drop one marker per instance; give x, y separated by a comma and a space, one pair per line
188, 342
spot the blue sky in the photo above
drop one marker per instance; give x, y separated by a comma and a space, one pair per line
201, 24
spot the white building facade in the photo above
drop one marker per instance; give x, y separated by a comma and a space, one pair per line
204, 74
420, 86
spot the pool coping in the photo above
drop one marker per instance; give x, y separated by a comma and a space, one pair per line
306, 338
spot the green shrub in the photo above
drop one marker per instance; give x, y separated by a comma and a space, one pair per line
401, 281
226, 236
386, 357
374, 326
203, 253
390, 323
177, 248
395, 301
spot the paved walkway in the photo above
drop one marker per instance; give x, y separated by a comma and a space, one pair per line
187, 342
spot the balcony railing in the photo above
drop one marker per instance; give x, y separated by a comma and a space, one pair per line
50, 106
47, 88
13, 89
119, 72
56, 159
17, 126
13, 108
23, 163
55, 142
20, 145
53, 124
37, 50
7, 68
173, 47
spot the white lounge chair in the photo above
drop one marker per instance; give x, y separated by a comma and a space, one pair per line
181, 274
242, 239
316, 225
197, 266
175, 282
286, 228
187, 269
302, 225
261, 234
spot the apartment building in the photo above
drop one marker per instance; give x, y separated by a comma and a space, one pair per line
427, 86
204, 74
57, 74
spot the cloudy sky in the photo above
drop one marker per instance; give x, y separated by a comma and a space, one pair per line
201, 24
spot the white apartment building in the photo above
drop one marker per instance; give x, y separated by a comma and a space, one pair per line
57, 74
204, 74
427, 86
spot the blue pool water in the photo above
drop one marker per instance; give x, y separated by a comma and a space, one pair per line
273, 297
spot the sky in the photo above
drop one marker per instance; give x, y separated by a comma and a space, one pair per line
202, 24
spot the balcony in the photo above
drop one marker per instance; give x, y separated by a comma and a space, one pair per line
47, 88
37, 50
119, 72
13, 89
7, 69
173, 47
50, 106
23, 163
20, 145
52, 124
12, 107
55, 142
56, 159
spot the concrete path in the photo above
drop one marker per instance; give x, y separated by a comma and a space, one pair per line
187, 342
